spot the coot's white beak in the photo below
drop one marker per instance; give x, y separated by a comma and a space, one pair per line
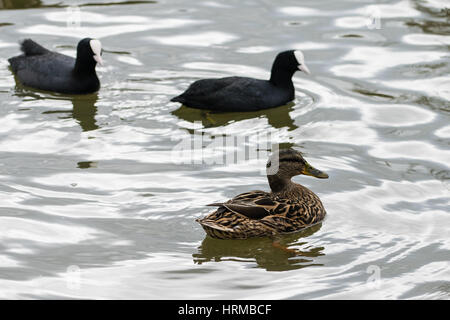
301, 61
96, 47
98, 59
304, 68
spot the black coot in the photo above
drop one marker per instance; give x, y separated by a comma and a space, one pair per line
247, 94
43, 69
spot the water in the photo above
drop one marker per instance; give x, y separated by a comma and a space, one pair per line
94, 204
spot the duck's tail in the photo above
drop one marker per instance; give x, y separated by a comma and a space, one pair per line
246, 229
217, 231
31, 48
179, 99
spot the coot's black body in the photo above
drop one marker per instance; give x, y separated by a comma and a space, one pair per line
43, 69
235, 94
232, 94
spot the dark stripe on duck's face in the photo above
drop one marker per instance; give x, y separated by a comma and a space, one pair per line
293, 160
307, 168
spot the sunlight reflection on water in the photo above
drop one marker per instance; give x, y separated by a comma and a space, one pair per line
93, 204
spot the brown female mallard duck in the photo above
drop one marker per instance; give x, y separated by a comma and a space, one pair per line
289, 206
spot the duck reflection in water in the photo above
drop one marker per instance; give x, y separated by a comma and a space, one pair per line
20, 4
84, 111
84, 106
263, 251
277, 117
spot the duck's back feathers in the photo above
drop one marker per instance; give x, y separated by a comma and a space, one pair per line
203, 88
259, 213
226, 224
31, 48
233, 94
253, 205
250, 211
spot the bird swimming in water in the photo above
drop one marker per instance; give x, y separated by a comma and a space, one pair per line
288, 207
43, 69
232, 94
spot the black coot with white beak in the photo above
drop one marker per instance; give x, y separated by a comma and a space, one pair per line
247, 94
43, 69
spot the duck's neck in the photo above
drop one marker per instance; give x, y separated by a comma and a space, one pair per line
281, 77
84, 66
285, 188
279, 184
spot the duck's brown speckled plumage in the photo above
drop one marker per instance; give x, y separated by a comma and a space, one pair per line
289, 207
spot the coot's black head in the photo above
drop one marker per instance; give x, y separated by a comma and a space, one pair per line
285, 65
292, 60
289, 162
89, 52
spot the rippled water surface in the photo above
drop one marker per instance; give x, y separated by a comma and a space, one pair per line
94, 204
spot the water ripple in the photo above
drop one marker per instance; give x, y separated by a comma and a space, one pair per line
95, 203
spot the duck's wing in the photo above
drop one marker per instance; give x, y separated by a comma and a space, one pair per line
204, 87
251, 212
253, 205
37, 62
32, 48
225, 94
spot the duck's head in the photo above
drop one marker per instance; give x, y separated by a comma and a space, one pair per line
90, 51
291, 61
288, 163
